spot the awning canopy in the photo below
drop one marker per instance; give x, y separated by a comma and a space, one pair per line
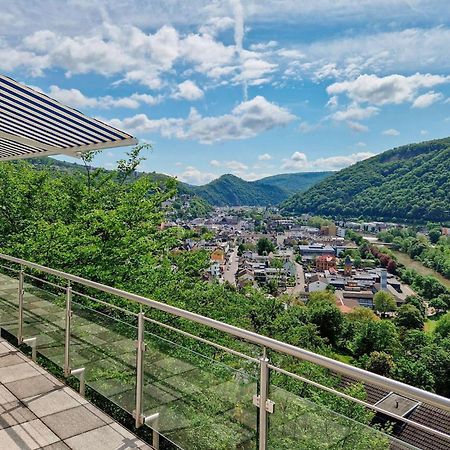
33, 124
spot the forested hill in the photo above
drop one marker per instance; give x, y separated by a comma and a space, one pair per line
411, 182
230, 190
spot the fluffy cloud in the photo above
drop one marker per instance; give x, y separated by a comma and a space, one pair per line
246, 120
188, 90
391, 132
384, 90
355, 112
265, 157
300, 162
425, 100
193, 175
76, 99
235, 166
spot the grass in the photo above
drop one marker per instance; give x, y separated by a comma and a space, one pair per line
430, 325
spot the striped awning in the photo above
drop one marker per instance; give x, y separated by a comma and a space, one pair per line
33, 124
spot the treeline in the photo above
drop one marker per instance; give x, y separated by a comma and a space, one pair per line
408, 183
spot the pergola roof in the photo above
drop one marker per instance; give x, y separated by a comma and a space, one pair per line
33, 124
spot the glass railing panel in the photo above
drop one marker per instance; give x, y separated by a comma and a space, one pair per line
202, 403
105, 347
300, 424
9, 300
44, 319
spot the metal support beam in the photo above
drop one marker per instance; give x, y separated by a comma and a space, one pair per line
33, 344
263, 393
82, 377
67, 330
154, 421
21, 293
140, 349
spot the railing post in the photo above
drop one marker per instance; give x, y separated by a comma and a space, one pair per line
21, 293
263, 393
67, 330
140, 349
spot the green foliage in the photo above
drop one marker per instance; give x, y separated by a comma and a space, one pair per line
381, 336
443, 326
408, 316
265, 246
384, 302
230, 190
406, 183
381, 363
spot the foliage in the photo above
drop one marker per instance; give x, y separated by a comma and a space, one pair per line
408, 316
384, 302
230, 190
265, 246
381, 363
405, 183
443, 326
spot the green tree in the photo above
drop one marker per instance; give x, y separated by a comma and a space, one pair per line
408, 316
381, 336
265, 246
434, 235
381, 363
328, 319
384, 302
443, 326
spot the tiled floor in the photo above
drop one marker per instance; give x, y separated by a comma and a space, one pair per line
39, 412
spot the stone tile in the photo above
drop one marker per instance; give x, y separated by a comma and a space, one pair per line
10, 359
27, 436
73, 421
100, 414
51, 402
30, 387
14, 413
104, 438
17, 372
56, 446
129, 436
6, 396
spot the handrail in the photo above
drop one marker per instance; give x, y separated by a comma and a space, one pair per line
254, 338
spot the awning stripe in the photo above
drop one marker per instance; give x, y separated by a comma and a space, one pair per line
54, 109
32, 123
38, 121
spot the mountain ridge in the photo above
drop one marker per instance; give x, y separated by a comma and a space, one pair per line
408, 183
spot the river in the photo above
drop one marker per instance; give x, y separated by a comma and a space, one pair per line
410, 263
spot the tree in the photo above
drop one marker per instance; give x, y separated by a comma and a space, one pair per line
381, 336
265, 246
417, 302
362, 314
434, 235
438, 304
327, 317
408, 316
443, 326
126, 167
380, 363
384, 302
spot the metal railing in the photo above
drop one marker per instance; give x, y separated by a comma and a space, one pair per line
261, 400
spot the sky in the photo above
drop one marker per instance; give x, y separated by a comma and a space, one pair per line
248, 87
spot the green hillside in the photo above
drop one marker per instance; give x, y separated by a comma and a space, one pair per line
230, 190
292, 183
411, 182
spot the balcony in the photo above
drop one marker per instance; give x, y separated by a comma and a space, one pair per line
169, 376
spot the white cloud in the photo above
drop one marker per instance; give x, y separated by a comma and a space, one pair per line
235, 166
265, 157
423, 132
391, 132
188, 90
76, 99
355, 112
300, 162
357, 127
193, 175
384, 90
425, 100
246, 120
306, 127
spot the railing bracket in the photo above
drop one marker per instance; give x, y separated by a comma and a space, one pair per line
270, 405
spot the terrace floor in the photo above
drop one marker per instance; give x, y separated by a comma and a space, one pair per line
39, 412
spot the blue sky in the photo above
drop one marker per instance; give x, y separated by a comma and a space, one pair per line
250, 87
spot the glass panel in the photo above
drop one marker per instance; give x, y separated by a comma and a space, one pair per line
105, 347
44, 319
299, 424
202, 404
9, 299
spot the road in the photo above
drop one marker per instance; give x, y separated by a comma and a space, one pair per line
299, 280
231, 268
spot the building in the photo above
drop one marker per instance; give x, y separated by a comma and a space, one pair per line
325, 262
311, 252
